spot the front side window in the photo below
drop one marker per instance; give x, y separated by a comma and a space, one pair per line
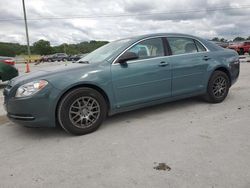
148, 48
181, 45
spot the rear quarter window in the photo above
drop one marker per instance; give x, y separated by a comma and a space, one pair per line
200, 47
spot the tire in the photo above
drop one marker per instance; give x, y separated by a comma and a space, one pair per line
82, 111
241, 52
218, 87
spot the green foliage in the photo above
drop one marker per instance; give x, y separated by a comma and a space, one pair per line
239, 39
216, 39
42, 47
11, 49
248, 38
219, 39
80, 48
223, 40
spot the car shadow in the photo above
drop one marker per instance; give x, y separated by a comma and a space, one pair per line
41, 133
44, 133
151, 110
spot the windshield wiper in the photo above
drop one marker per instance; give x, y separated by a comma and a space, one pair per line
84, 62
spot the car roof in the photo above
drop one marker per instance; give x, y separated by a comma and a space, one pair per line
163, 34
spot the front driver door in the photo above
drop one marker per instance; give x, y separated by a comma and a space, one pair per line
144, 79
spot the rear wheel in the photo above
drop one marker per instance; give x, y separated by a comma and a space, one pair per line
241, 52
82, 111
218, 87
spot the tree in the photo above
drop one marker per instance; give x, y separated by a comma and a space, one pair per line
12, 49
6, 51
248, 38
216, 39
238, 39
223, 40
42, 47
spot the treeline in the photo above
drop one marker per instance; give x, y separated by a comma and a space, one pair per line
236, 39
43, 47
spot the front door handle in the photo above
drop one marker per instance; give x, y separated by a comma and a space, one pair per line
205, 58
163, 64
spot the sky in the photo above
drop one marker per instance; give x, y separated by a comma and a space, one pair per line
84, 20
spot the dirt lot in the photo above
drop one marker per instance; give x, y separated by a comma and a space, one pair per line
197, 145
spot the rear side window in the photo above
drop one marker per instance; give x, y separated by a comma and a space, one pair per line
180, 45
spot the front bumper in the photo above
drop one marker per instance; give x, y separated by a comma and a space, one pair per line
35, 111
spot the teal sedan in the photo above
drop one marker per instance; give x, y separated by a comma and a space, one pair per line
123, 75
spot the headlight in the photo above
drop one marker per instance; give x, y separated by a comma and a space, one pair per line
30, 88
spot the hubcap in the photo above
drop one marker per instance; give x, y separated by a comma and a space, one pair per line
219, 87
84, 112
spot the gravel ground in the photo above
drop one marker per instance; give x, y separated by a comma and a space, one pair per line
188, 143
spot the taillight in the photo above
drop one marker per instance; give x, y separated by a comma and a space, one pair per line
9, 62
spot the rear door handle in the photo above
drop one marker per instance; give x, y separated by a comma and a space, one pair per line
205, 58
163, 64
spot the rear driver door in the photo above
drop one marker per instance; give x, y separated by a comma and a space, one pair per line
189, 62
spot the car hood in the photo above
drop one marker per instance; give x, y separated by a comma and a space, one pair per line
47, 72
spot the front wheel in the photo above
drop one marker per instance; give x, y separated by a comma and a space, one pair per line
218, 87
82, 111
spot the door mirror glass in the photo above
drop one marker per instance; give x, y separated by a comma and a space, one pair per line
127, 56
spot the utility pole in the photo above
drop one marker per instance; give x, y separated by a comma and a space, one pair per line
26, 29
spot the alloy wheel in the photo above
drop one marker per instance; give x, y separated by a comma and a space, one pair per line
219, 86
84, 112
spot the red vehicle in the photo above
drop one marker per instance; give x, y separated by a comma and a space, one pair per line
241, 47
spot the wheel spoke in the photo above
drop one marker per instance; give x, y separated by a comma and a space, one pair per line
84, 112
219, 87
79, 119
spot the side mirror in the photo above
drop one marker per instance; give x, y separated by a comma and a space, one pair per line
127, 56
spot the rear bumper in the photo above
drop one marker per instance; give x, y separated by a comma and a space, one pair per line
234, 71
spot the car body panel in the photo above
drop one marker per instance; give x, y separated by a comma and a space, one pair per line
135, 84
138, 78
188, 73
7, 71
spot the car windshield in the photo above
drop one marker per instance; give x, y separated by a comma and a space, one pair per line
103, 52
